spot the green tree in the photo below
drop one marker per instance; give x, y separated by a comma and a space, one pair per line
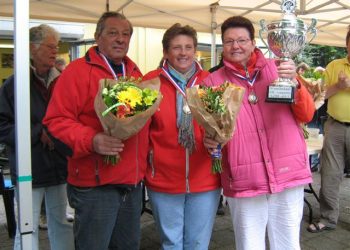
320, 55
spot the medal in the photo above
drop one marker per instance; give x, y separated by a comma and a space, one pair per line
252, 98
186, 109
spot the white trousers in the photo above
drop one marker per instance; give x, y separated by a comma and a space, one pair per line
280, 213
60, 232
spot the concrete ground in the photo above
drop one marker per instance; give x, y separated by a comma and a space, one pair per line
222, 238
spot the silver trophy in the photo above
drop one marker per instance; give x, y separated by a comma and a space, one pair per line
286, 38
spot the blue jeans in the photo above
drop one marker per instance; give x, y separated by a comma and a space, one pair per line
59, 230
106, 217
185, 221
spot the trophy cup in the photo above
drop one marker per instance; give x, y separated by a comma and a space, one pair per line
285, 38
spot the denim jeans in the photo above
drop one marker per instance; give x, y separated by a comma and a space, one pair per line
106, 217
185, 221
60, 232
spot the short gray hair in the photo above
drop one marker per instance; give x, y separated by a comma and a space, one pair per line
39, 33
101, 22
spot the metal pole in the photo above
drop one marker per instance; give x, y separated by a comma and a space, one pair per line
214, 25
22, 123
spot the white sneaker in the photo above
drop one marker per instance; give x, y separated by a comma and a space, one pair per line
69, 217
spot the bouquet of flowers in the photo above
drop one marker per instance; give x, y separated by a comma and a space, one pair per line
124, 106
312, 80
216, 109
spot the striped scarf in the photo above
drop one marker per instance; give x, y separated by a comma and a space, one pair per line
183, 120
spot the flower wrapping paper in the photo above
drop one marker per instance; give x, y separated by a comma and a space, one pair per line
124, 128
218, 127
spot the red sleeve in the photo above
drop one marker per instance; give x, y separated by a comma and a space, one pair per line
304, 106
67, 105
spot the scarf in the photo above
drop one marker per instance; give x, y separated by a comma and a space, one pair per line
183, 120
248, 68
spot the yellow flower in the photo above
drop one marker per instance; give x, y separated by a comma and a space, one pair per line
131, 96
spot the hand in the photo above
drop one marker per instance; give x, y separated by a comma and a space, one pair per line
343, 81
286, 69
107, 145
210, 144
319, 101
46, 141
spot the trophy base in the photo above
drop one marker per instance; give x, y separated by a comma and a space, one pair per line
280, 94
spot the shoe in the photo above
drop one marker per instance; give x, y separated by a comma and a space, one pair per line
314, 168
70, 217
42, 222
220, 210
315, 227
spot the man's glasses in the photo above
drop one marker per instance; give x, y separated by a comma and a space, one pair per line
240, 42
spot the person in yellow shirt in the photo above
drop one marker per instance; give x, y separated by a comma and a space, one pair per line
336, 146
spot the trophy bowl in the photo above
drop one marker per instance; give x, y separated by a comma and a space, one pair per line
286, 38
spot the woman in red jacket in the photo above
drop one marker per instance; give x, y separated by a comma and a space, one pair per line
184, 193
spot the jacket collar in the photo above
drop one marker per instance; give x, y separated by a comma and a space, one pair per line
92, 57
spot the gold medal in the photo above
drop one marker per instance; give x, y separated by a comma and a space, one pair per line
186, 109
252, 98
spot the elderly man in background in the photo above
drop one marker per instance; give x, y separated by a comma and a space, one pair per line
49, 165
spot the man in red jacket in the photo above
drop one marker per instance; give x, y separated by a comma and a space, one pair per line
106, 198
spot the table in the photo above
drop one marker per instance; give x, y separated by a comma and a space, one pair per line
314, 146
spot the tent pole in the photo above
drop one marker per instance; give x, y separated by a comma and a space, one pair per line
214, 25
22, 123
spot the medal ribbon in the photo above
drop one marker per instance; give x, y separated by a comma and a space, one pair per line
251, 82
111, 69
170, 78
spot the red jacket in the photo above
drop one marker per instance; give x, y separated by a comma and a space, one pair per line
167, 166
71, 117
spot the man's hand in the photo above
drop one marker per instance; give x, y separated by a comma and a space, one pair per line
46, 141
343, 81
107, 145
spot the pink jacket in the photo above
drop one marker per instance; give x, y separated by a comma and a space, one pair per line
267, 153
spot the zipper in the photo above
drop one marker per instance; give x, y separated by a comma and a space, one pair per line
137, 160
97, 175
187, 170
150, 161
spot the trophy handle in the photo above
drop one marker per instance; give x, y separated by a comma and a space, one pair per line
312, 29
263, 28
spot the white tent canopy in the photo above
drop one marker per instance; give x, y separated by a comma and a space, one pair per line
333, 16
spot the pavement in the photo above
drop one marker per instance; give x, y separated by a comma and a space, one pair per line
223, 238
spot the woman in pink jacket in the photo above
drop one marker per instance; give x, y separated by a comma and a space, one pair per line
267, 162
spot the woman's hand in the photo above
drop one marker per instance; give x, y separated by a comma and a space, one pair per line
210, 144
287, 69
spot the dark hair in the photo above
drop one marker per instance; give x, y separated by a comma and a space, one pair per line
348, 36
238, 22
101, 22
176, 30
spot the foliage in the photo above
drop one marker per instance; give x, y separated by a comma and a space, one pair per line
320, 55
312, 74
126, 99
